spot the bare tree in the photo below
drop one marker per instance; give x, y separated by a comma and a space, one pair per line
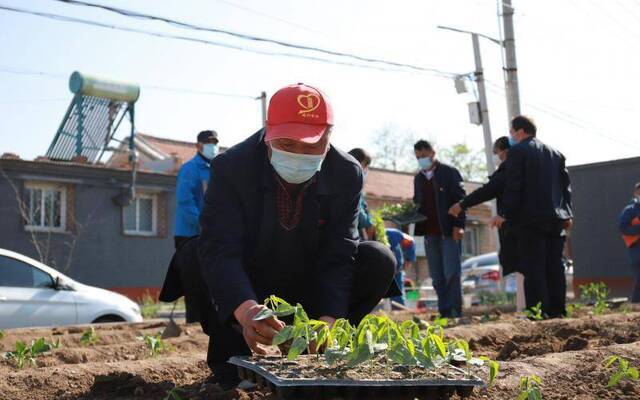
42, 241
393, 148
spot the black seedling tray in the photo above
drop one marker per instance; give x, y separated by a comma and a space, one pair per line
344, 389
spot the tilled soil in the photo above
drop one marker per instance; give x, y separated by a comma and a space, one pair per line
566, 354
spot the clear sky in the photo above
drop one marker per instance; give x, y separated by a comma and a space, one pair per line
578, 68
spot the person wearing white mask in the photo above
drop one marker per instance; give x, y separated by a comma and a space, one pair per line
280, 217
192, 182
438, 186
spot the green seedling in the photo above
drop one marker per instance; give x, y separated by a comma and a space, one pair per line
597, 294
572, 308
534, 312
155, 344
89, 337
391, 210
346, 346
1, 334
624, 371
441, 321
23, 353
174, 394
530, 388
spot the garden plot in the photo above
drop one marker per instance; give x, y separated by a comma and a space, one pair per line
567, 355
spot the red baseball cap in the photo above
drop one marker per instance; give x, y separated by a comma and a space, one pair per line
299, 112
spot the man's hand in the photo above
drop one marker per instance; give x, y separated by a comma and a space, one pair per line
496, 222
458, 233
455, 210
567, 224
256, 332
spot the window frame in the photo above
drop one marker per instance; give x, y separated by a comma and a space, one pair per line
154, 216
474, 238
28, 186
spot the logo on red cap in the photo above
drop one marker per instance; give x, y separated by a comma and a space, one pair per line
309, 103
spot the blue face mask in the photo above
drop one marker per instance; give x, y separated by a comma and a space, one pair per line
425, 162
295, 168
209, 150
512, 141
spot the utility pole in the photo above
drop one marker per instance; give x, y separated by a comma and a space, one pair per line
482, 95
484, 108
513, 101
263, 101
510, 67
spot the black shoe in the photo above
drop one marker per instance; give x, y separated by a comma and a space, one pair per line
225, 375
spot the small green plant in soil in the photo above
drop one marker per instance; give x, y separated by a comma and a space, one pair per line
149, 306
155, 344
596, 294
346, 346
1, 334
624, 371
174, 394
23, 353
572, 308
89, 337
530, 388
534, 312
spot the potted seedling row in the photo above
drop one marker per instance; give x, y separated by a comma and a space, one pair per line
379, 358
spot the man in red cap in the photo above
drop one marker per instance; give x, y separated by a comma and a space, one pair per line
280, 217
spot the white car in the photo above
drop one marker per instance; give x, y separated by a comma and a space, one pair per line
32, 294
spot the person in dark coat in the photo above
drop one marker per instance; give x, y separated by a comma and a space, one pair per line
280, 217
629, 225
537, 203
437, 187
494, 189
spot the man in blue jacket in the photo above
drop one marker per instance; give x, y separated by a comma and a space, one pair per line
437, 187
630, 229
280, 217
193, 179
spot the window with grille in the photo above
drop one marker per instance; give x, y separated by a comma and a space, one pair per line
140, 217
45, 207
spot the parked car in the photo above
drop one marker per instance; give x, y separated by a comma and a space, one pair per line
486, 274
33, 294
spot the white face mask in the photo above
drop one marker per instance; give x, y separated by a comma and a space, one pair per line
295, 168
209, 150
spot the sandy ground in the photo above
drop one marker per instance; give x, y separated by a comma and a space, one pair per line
566, 354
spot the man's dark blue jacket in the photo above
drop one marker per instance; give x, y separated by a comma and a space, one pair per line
239, 220
537, 190
449, 188
629, 213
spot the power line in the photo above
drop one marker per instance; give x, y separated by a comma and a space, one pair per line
146, 86
65, 18
272, 17
565, 117
244, 36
